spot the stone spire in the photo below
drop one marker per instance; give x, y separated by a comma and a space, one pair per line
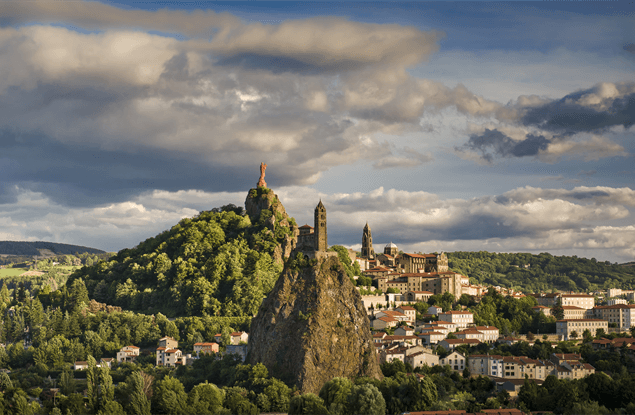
320, 238
367, 243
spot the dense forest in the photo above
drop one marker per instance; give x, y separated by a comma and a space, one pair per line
32, 248
541, 273
218, 263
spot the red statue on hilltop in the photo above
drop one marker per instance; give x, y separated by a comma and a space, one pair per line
262, 182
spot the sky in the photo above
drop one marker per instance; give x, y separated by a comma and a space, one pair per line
496, 126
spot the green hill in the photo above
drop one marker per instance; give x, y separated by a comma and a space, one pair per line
33, 248
219, 263
543, 272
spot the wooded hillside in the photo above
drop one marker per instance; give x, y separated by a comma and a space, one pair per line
215, 264
541, 273
32, 248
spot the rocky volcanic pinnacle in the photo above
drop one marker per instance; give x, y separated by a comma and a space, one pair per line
313, 327
261, 199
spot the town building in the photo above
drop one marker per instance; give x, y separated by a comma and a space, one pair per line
622, 315
205, 348
579, 300
435, 310
420, 359
451, 344
414, 263
564, 328
238, 337
170, 357
436, 282
384, 322
431, 337
461, 318
418, 296
168, 342
408, 311
127, 354
486, 365
455, 360
572, 312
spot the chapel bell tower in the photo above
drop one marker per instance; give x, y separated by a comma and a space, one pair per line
321, 243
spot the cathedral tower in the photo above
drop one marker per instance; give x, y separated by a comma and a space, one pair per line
321, 243
367, 243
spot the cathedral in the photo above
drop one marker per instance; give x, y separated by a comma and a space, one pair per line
367, 243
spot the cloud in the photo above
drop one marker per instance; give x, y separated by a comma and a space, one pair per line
595, 109
503, 146
593, 220
493, 143
325, 42
105, 115
574, 126
409, 158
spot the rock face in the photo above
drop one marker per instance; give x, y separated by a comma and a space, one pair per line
277, 221
313, 327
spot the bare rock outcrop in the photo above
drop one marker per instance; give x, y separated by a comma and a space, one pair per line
313, 327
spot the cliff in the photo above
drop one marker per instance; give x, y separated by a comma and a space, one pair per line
312, 327
264, 209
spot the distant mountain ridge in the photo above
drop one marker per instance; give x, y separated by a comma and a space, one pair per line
24, 248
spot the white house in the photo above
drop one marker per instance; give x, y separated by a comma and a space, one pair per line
127, 354
383, 322
434, 310
450, 344
239, 336
461, 318
432, 337
455, 360
422, 358
170, 357
404, 331
408, 311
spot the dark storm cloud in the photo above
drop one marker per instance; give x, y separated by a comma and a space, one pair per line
495, 143
630, 47
86, 176
570, 115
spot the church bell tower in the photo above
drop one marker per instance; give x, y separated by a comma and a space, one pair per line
367, 244
321, 243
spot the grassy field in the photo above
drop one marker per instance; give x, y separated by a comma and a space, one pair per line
12, 272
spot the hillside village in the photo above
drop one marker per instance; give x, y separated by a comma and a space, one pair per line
434, 338
403, 281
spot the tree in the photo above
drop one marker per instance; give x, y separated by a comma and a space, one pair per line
5, 382
278, 395
106, 387
307, 404
170, 396
4, 294
335, 393
67, 383
92, 384
205, 399
574, 334
366, 399
557, 311
417, 395
237, 403
139, 403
